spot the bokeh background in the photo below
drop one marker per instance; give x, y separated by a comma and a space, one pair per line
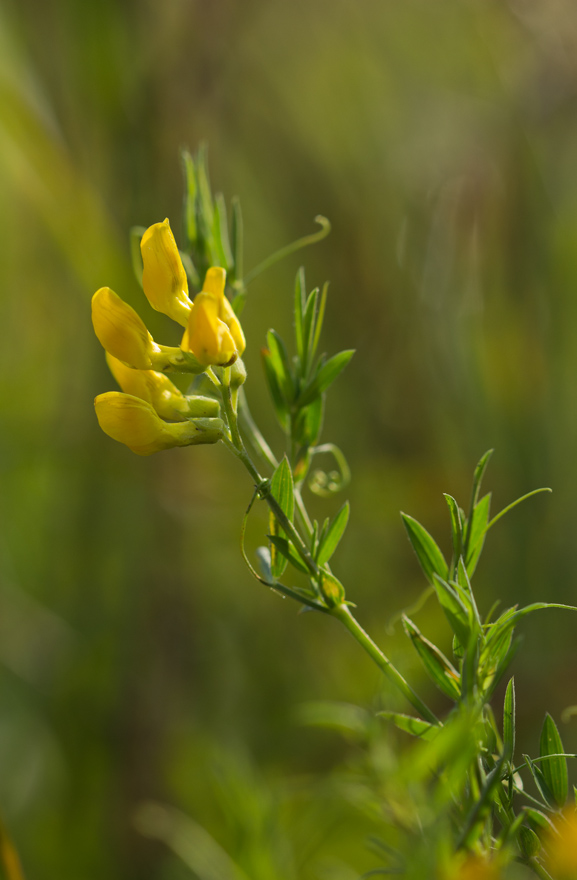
139, 660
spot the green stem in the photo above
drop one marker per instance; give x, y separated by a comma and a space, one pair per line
259, 443
343, 613
539, 869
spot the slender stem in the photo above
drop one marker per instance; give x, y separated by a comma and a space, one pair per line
256, 438
539, 869
343, 613
303, 514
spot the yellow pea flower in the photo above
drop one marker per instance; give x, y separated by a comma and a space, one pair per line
164, 278
135, 423
561, 847
214, 334
121, 331
157, 390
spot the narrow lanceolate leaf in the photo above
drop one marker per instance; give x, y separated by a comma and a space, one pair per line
541, 782
441, 671
456, 526
288, 551
554, 769
455, 611
237, 235
279, 402
476, 532
431, 559
325, 377
309, 315
299, 309
280, 363
509, 720
282, 489
330, 540
220, 233
412, 725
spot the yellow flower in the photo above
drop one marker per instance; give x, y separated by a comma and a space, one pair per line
561, 846
134, 422
164, 278
157, 390
121, 331
214, 334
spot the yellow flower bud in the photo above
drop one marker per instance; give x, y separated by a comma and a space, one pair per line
214, 282
157, 389
134, 422
164, 278
206, 336
121, 331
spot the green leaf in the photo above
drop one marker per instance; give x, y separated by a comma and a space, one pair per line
282, 489
412, 725
278, 399
325, 376
455, 611
280, 363
476, 532
237, 234
431, 559
554, 769
509, 720
319, 320
309, 422
329, 542
529, 843
299, 305
540, 821
308, 325
456, 526
441, 671
190, 198
289, 552
220, 233
541, 783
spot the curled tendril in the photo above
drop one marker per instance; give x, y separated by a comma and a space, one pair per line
326, 483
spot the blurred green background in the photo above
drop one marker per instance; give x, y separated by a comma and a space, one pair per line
139, 660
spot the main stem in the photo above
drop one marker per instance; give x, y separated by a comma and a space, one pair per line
341, 612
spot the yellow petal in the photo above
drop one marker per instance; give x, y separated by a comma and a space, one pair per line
207, 336
561, 846
120, 330
214, 281
164, 278
155, 388
227, 314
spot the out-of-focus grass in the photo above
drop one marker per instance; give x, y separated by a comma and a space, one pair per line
440, 141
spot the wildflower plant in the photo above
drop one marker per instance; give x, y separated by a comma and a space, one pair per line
455, 805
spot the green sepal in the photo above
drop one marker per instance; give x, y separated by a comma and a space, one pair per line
325, 376
410, 724
428, 553
282, 489
440, 670
554, 769
529, 843
329, 540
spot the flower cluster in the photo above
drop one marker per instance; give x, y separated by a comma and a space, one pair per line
151, 413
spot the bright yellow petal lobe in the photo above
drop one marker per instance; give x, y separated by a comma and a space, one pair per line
214, 281
120, 330
207, 336
164, 278
561, 861
155, 388
226, 314
134, 422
